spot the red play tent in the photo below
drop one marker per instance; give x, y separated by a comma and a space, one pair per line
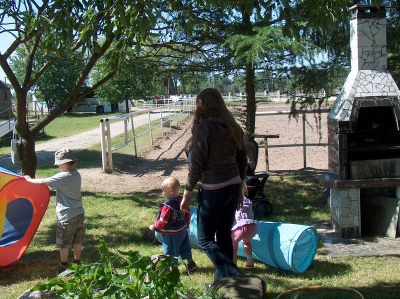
22, 206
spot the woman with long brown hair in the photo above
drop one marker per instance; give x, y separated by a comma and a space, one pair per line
219, 162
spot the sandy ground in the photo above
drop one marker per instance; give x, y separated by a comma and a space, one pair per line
166, 157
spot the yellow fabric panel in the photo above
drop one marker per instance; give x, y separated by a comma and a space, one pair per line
5, 179
3, 209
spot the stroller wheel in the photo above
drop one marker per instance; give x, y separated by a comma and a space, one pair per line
263, 208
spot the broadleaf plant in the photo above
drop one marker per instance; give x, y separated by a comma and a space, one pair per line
125, 274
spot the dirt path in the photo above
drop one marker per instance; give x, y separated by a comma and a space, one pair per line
166, 157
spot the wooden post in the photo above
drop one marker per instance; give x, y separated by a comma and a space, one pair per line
266, 154
266, 146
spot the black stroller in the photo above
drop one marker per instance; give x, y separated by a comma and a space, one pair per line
256, 181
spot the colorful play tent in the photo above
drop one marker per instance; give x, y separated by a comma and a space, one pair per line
285, 246
22, 206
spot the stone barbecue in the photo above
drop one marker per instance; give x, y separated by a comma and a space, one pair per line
364, 136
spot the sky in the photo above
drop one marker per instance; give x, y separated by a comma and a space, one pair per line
5, 42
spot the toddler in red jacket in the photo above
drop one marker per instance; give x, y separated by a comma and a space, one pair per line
173, 224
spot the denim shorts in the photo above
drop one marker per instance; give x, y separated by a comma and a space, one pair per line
70, 232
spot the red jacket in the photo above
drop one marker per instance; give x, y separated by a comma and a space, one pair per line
170, 219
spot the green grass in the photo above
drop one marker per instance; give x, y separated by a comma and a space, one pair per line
77, 123
122, 218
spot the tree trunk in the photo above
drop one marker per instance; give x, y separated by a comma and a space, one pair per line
251, 102
126, 105
27, 136
28, 156
250, 88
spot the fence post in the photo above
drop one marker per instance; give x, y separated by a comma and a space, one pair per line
106, 155
266, 146
126, 130
103, 145
110, 166
134, 136
180, 113
151, 128
169, 115
162, 123
266, 154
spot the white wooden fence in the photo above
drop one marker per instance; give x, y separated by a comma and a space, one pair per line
152, 118
174, 113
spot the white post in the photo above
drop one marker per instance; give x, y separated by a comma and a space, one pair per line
150, 127
134, 136
103, 145
169, 114
126, 130
162, 123
110, 167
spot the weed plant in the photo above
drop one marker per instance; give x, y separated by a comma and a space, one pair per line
123, 275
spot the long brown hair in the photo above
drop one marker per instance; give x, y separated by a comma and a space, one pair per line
209, 103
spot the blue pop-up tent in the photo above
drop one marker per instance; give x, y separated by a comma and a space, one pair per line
22, 206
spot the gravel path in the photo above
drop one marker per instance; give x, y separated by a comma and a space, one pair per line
45, 150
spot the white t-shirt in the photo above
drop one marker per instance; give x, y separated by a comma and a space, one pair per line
68, 194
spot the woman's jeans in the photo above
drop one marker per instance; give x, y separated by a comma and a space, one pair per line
216, 213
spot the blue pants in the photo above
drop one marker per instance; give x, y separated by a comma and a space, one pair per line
177, 246
216, 213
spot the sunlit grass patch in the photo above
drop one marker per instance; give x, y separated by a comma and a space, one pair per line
123, 218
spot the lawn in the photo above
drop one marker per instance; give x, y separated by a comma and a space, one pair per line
122, 219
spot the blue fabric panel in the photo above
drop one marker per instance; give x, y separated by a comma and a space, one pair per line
194, 243
18, 218
285, 246
9, 172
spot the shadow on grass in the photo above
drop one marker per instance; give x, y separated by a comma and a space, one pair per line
30, 268
150, 199
316, 270
295, 199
